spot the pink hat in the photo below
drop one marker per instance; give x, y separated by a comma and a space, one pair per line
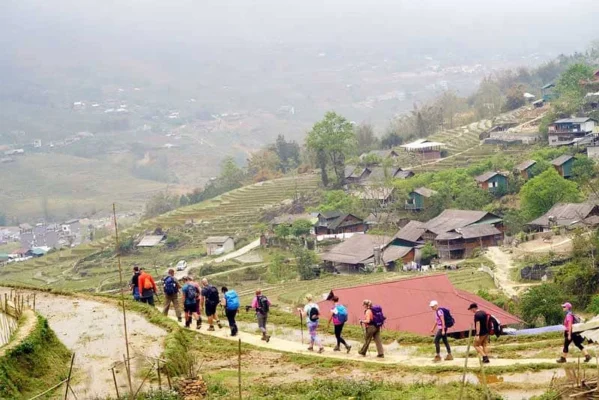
567, 305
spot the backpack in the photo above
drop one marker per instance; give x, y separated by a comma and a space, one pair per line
148, 283
341, 313
263, 306
314, 314
232, 300
212, 297
170, 285
191, 295
378, 319
575, 319
449, 320
494, 325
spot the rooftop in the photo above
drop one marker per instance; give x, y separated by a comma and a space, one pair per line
217, 239
525, 165
412, 232
578, 120
150, 240
426, 192
561, 160
565, 214
451, 219
358, 249
486, 176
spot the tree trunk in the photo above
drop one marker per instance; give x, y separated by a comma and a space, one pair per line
322, 164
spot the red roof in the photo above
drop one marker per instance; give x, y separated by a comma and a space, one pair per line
405, 303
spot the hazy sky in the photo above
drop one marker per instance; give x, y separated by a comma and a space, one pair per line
453, 24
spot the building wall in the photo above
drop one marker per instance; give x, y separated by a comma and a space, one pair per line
593, 152
228, 245
567, 168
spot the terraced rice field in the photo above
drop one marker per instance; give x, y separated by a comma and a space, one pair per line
233, 212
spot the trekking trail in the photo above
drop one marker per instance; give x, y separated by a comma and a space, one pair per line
93, 330
294, 347
503, 269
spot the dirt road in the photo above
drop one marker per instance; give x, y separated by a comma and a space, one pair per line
504, 267
94, 331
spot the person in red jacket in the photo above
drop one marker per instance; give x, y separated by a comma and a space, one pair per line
147, 288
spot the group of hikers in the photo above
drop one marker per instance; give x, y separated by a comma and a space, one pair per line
203, 296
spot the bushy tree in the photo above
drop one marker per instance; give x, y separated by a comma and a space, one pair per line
544, 302
571, 92
263, 165
338, 200
583, 169
427, 253
514, 98
578, 279
542, 192
288, 153
332, 139
301, 227
391, 139
305, 261
365, 138
282, 231
160, 203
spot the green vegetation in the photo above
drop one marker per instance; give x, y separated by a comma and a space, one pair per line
542, 192
543, 304
40, 361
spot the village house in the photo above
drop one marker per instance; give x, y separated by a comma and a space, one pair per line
354, 175
563, 165
568, 131
567, 215
379, 154
419, 199
461, 242
492, 181
382, 196
40, 235
335, 223
151, 240
71, 227
359, 251
425, 149
524, 169
548, 92
289, 219
217, 245
501, 128
406, 304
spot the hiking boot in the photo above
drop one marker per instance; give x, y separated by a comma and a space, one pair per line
220, 326
310, 348
263, 337
336, 348
380, 356
486, 360
267, 338
179, 319
561, 360
321, 350
211, 328
437, 358
187, 322
362, 354
449, 357
587, 358
198, 324
348, 349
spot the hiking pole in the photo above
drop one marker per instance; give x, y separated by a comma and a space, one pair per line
302, 326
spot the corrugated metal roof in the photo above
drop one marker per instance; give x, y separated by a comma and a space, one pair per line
356, 249
426, 192
405, 304
451, 219
561, 160
566, 214
393, 253
150, 240
579, 120
486, 176
525, 165
217, 239
412, 232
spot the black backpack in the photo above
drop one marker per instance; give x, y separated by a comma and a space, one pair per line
212, 298
314, 314
191, 293
449, 320
263, 306
494, 326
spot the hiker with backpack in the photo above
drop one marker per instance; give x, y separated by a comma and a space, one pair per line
372, 323
191, 299
481, 332
261, 305
312, 314
171, 294
231, 303
147, 288
339, 318
570, 336
443, 321
210, 301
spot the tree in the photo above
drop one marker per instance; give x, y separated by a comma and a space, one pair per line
391, 139
301, 227
338, 200
428, 252
450, 105
514, 98
365, 138
264, 165
334, 137
543, 302
583, 169
287, 152
282, 231
579, 280
305, 260
542, 192
474, 198
231, 176
571, 93
160, 203
487, 100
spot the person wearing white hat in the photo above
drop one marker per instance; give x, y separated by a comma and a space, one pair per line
440, 327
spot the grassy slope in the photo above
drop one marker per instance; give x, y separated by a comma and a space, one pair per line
33, 366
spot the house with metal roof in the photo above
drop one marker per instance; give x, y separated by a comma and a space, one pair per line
406, 304
217, 245
524, 169
563, 165
567, 215
336, 222
492, 181
568, 131
548, 91
461, 242
418, 199
425, 149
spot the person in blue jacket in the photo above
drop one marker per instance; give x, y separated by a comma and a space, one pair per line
230, 301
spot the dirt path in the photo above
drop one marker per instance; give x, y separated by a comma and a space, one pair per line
94, 331
503, 270
24, 330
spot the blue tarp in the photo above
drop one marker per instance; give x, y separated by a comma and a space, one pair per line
538, 331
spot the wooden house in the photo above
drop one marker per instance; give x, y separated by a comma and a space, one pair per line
563, 165
492, 181
335, 222
419, 199
567, 131
524, 169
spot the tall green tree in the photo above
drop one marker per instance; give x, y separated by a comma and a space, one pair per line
231, 176
365, 138
542, 192
571, 92
543, 302
288, 153
332, 138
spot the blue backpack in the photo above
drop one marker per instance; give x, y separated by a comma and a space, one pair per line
341, 313
232, 300
170, 285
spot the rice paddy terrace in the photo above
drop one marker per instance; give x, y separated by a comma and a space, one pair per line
92, 267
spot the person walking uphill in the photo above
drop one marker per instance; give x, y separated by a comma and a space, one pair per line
261, 304
147, 288
312, 314
171, 289
134, 285
191, 298
339, 318
373, 321
442, 323
481, 332
231, 303
210, 300
570, 336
